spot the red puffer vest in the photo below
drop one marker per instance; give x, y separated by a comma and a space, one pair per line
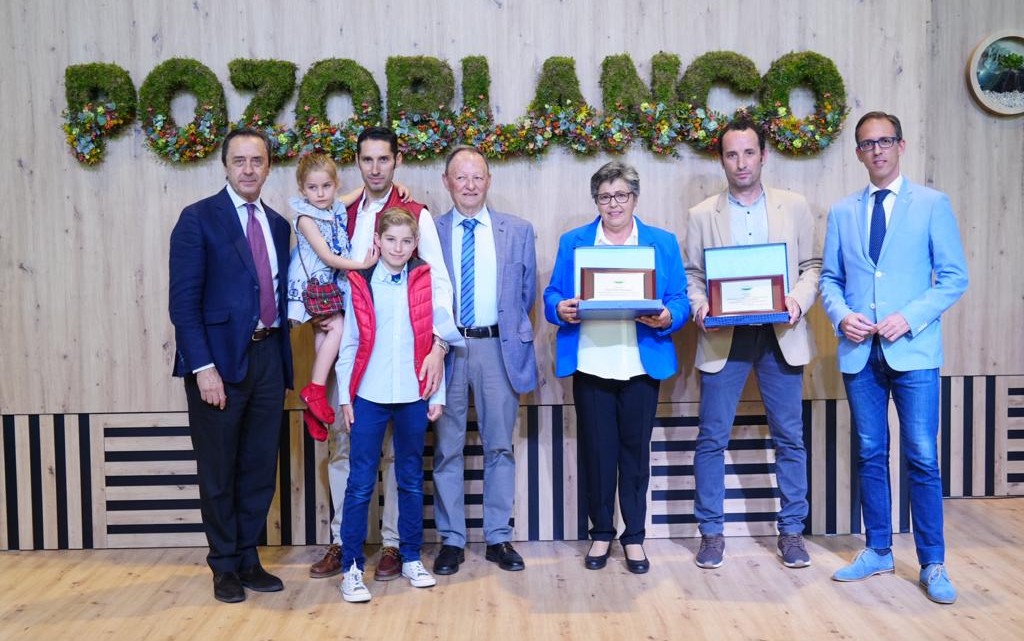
421, 315
410, 206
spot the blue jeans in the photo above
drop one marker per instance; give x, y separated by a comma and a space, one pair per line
781, 387
916, 395
367, 437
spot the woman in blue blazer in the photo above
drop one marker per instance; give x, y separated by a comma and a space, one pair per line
617, 366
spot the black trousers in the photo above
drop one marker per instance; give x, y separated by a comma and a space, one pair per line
236, 456
614, 421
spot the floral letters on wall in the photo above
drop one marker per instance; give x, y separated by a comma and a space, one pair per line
672, 110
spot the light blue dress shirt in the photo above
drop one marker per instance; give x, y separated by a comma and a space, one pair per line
485, 267
749, 222
390, 375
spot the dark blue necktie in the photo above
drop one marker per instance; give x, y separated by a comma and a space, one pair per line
877, 225
467, 316
396, 278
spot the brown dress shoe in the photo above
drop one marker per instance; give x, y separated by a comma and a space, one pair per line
390, 565
330, 565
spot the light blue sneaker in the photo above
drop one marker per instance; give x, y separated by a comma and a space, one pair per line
936, 583
866, 564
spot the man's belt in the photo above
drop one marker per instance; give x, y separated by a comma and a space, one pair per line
263, 333
479, 332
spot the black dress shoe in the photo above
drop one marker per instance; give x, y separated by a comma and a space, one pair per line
227, 587
505, 556
448, 560
597, 562
258, 579
638, 567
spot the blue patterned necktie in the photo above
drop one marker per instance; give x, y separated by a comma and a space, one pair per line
467, 316
877, 225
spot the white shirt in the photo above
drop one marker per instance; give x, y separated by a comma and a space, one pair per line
485, 268
429, 249
261, 216
361, 238
608, 348
887, 203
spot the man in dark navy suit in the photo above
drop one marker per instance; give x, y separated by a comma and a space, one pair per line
228, 272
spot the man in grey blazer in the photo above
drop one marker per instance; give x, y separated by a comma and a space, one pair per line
491, 259
747, 213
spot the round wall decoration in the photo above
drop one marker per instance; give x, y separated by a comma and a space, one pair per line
995, 72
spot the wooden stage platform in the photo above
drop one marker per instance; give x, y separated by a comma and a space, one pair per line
165, 594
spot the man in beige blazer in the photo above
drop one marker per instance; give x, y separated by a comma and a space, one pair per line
747, 214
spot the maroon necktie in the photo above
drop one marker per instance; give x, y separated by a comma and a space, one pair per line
258, 245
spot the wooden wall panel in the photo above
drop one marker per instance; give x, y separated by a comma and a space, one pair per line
966, 144
128, 480
84, 251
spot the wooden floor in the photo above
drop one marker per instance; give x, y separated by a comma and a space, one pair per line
166, 594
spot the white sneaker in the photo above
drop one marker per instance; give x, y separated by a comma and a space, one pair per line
353, 589
418, 575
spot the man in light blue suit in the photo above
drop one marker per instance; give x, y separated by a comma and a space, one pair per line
893, 263
491, 259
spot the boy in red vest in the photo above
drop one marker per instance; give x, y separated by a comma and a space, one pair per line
378, 383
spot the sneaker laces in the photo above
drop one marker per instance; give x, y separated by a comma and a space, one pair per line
354, 580
936, 572
415, 570
791, 543
712, 544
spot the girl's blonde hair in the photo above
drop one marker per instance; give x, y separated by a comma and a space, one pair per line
315, 162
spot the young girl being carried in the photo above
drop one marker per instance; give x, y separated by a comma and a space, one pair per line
321, 253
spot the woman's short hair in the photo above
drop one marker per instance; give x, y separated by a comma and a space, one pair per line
612, 171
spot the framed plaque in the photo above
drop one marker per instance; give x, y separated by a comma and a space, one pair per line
747, 284
616, 282
757, 295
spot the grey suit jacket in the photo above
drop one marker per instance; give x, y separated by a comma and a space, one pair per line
515, 248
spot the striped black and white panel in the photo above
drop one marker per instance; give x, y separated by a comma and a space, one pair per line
1011, 411
128, 480
47, 489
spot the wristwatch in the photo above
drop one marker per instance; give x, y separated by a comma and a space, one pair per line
442, 343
